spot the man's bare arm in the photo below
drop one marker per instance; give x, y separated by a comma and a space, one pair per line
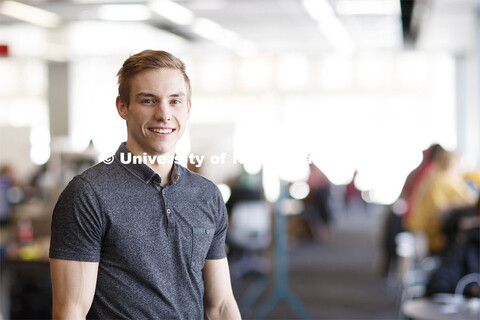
218, 299
73, 287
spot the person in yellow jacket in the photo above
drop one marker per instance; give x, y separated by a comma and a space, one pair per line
443, 190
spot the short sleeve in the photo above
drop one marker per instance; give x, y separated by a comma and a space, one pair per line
217, 248
77, 224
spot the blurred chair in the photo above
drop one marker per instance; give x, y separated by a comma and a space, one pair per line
411, 248
251, 234
415, 265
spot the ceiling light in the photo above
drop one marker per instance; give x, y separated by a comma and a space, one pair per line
336, 34
368, 7
30, 14
104, 1
172, 11
124, 12
207, 29
318, 9
329, 24
210, 30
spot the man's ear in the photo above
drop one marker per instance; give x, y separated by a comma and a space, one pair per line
189, 106
121, 108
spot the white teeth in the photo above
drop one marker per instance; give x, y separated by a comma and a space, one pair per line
162, 130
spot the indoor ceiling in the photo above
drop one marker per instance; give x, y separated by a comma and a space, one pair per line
278, 26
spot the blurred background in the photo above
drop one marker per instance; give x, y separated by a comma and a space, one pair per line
310, 115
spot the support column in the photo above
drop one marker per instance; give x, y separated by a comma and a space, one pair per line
461, 102
467, 74
58, 99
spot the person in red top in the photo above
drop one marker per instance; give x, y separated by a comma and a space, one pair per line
317, 202
418, 175
397, 213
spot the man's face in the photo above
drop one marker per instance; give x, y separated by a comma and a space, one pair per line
158, 111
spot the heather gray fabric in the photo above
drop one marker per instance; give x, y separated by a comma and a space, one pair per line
151, 242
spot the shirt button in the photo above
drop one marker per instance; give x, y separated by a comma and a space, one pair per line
168, 210
207, 231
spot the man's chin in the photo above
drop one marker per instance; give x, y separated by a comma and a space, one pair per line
162, 150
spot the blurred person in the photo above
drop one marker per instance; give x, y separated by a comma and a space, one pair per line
143, 240
353, 196
5, 204
461, 259
317, 202
401, 209
416, 178
445, 189
11, 192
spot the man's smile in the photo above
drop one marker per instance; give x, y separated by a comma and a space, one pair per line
162, 131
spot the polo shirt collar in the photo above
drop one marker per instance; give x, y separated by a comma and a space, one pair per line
140, 170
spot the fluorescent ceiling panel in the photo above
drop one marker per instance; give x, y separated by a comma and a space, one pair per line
30, 14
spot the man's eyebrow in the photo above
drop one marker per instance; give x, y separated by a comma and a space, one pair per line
146, 94
178, 94
151, 95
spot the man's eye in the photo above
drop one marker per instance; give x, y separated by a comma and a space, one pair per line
147, 101
176, 101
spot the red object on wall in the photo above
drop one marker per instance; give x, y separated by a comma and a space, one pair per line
3, 50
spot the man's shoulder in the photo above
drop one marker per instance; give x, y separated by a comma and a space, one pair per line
100, 171
194, 177
196, 180
99, 174
93, 182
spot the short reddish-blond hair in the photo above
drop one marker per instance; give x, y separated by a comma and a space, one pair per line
146, 60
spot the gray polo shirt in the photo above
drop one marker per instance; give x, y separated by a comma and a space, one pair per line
151, 242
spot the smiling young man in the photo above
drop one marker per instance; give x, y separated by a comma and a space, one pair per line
143, 240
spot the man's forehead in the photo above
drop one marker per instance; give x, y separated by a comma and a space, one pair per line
154, 79
152, 94
160, 72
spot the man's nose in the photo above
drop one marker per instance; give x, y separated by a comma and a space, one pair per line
162, 111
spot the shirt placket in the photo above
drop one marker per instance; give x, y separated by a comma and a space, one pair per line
161, 194
167, 208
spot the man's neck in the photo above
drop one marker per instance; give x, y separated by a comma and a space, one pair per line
162, 164
163, 170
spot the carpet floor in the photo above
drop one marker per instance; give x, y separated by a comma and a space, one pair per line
334, 278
